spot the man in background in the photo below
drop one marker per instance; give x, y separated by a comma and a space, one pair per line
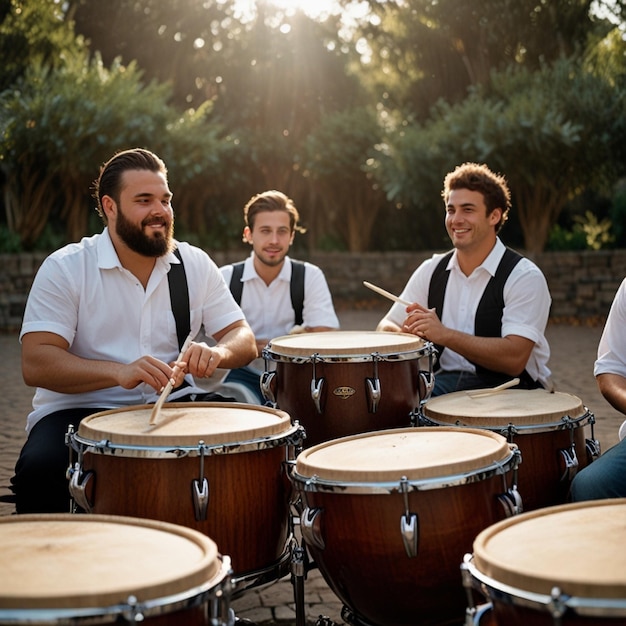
278, 295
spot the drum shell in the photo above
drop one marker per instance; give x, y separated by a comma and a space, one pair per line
248, 503
110, 579
343, 416
364, 560
248, 488
542, 477
348, 363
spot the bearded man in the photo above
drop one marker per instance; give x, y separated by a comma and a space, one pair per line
100, 329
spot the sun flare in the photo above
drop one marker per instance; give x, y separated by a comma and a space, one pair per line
315, 9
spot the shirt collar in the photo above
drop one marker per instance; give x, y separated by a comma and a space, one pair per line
249, 272
490, 264
107, 256
108, 259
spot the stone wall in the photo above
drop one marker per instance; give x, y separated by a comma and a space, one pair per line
582, 284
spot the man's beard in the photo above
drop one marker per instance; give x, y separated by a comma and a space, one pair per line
134, 237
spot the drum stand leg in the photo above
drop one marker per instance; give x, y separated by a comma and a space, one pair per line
298, 572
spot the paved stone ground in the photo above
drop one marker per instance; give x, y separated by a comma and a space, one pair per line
573, 353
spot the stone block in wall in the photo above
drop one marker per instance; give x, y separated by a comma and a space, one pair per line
586, 291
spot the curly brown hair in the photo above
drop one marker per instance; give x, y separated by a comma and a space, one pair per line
478, 177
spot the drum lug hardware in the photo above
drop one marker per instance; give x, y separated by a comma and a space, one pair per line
373, 393
570, 462
77, 486
133, 614
69, 436
426, 384
511, 502
373, 387
592, 445
200, 489
409, 523
509, 432
317, 386
349, 617
311, 527
557, 605
267, 378
296, 438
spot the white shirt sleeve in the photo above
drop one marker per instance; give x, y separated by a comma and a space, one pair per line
318, 309
612, 347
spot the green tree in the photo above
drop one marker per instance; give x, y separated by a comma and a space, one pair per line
32, 30
60, 124
339, 157
552, 133
424, 50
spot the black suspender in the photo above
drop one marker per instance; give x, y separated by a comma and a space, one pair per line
236, 286
488, 320
437, 289
296, 287
179, 296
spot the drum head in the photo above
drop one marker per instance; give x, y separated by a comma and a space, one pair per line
78, 561
417, 453
344, 343
516, 406
576, 547
184, 424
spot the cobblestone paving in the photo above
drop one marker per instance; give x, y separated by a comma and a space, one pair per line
573, 353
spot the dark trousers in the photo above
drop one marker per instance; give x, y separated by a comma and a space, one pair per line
40, 483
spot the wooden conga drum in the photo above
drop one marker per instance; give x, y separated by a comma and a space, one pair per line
343, 383
97, 569
548, 428
218, 468
558, 566
387, 516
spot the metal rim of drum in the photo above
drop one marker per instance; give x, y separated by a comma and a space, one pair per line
78, 599
503, 456
328, 347
568, 412
533, 585
257, 437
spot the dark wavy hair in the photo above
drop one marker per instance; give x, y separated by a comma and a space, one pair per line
109, 182
478, 177
272, 201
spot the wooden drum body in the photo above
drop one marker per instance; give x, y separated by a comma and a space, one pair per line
218, 468
386, 515
558, 566
548, 429
97, 569
343, 383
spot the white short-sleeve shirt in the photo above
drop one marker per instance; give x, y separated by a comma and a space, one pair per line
611, 357
526, 306
82, 293
268, 308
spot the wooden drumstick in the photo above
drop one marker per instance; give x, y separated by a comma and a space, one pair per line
479, 393
170, 383
387, 294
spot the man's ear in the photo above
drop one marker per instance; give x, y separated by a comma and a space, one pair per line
247, 235
109, 206
495, 216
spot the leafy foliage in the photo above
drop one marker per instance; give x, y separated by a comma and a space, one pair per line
551, 132
358, 124
59, 124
